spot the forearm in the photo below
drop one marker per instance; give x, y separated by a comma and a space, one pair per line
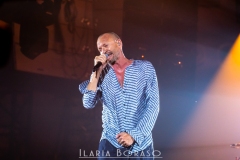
90, 91
92, 86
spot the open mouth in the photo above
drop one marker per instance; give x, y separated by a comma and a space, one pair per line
109, 54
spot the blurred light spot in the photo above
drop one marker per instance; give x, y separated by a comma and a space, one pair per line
142, 48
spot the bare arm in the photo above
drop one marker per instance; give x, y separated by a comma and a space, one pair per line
95, 75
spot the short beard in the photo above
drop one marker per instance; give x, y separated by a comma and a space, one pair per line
113, 61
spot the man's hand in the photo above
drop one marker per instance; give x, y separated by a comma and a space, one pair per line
101, 58
95, 75
124, 139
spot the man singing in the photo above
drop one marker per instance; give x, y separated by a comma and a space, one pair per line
128, 90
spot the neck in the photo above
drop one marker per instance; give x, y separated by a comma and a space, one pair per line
121, 63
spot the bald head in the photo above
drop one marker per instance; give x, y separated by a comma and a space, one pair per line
110, 35
110, 44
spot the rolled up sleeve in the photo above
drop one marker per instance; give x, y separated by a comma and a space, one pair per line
90, 98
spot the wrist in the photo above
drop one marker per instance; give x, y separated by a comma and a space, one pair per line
93, 77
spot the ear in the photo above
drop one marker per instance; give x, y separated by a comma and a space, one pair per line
118, 42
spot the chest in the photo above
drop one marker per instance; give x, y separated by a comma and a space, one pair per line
118, 87
120, 77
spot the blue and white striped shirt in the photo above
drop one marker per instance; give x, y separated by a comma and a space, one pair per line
132, 108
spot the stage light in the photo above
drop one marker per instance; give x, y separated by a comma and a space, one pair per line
215, 120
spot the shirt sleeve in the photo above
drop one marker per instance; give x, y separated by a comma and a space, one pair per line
146, 123
90, 97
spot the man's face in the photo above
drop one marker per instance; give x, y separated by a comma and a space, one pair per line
108, 45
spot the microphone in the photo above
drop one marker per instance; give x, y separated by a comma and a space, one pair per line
95, 68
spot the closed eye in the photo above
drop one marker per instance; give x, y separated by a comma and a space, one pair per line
100, 48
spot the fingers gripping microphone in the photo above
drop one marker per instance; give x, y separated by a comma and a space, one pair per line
95, 68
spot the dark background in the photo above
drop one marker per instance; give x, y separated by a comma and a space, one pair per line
42, 117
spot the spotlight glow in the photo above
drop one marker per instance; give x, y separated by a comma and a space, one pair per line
216, 118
